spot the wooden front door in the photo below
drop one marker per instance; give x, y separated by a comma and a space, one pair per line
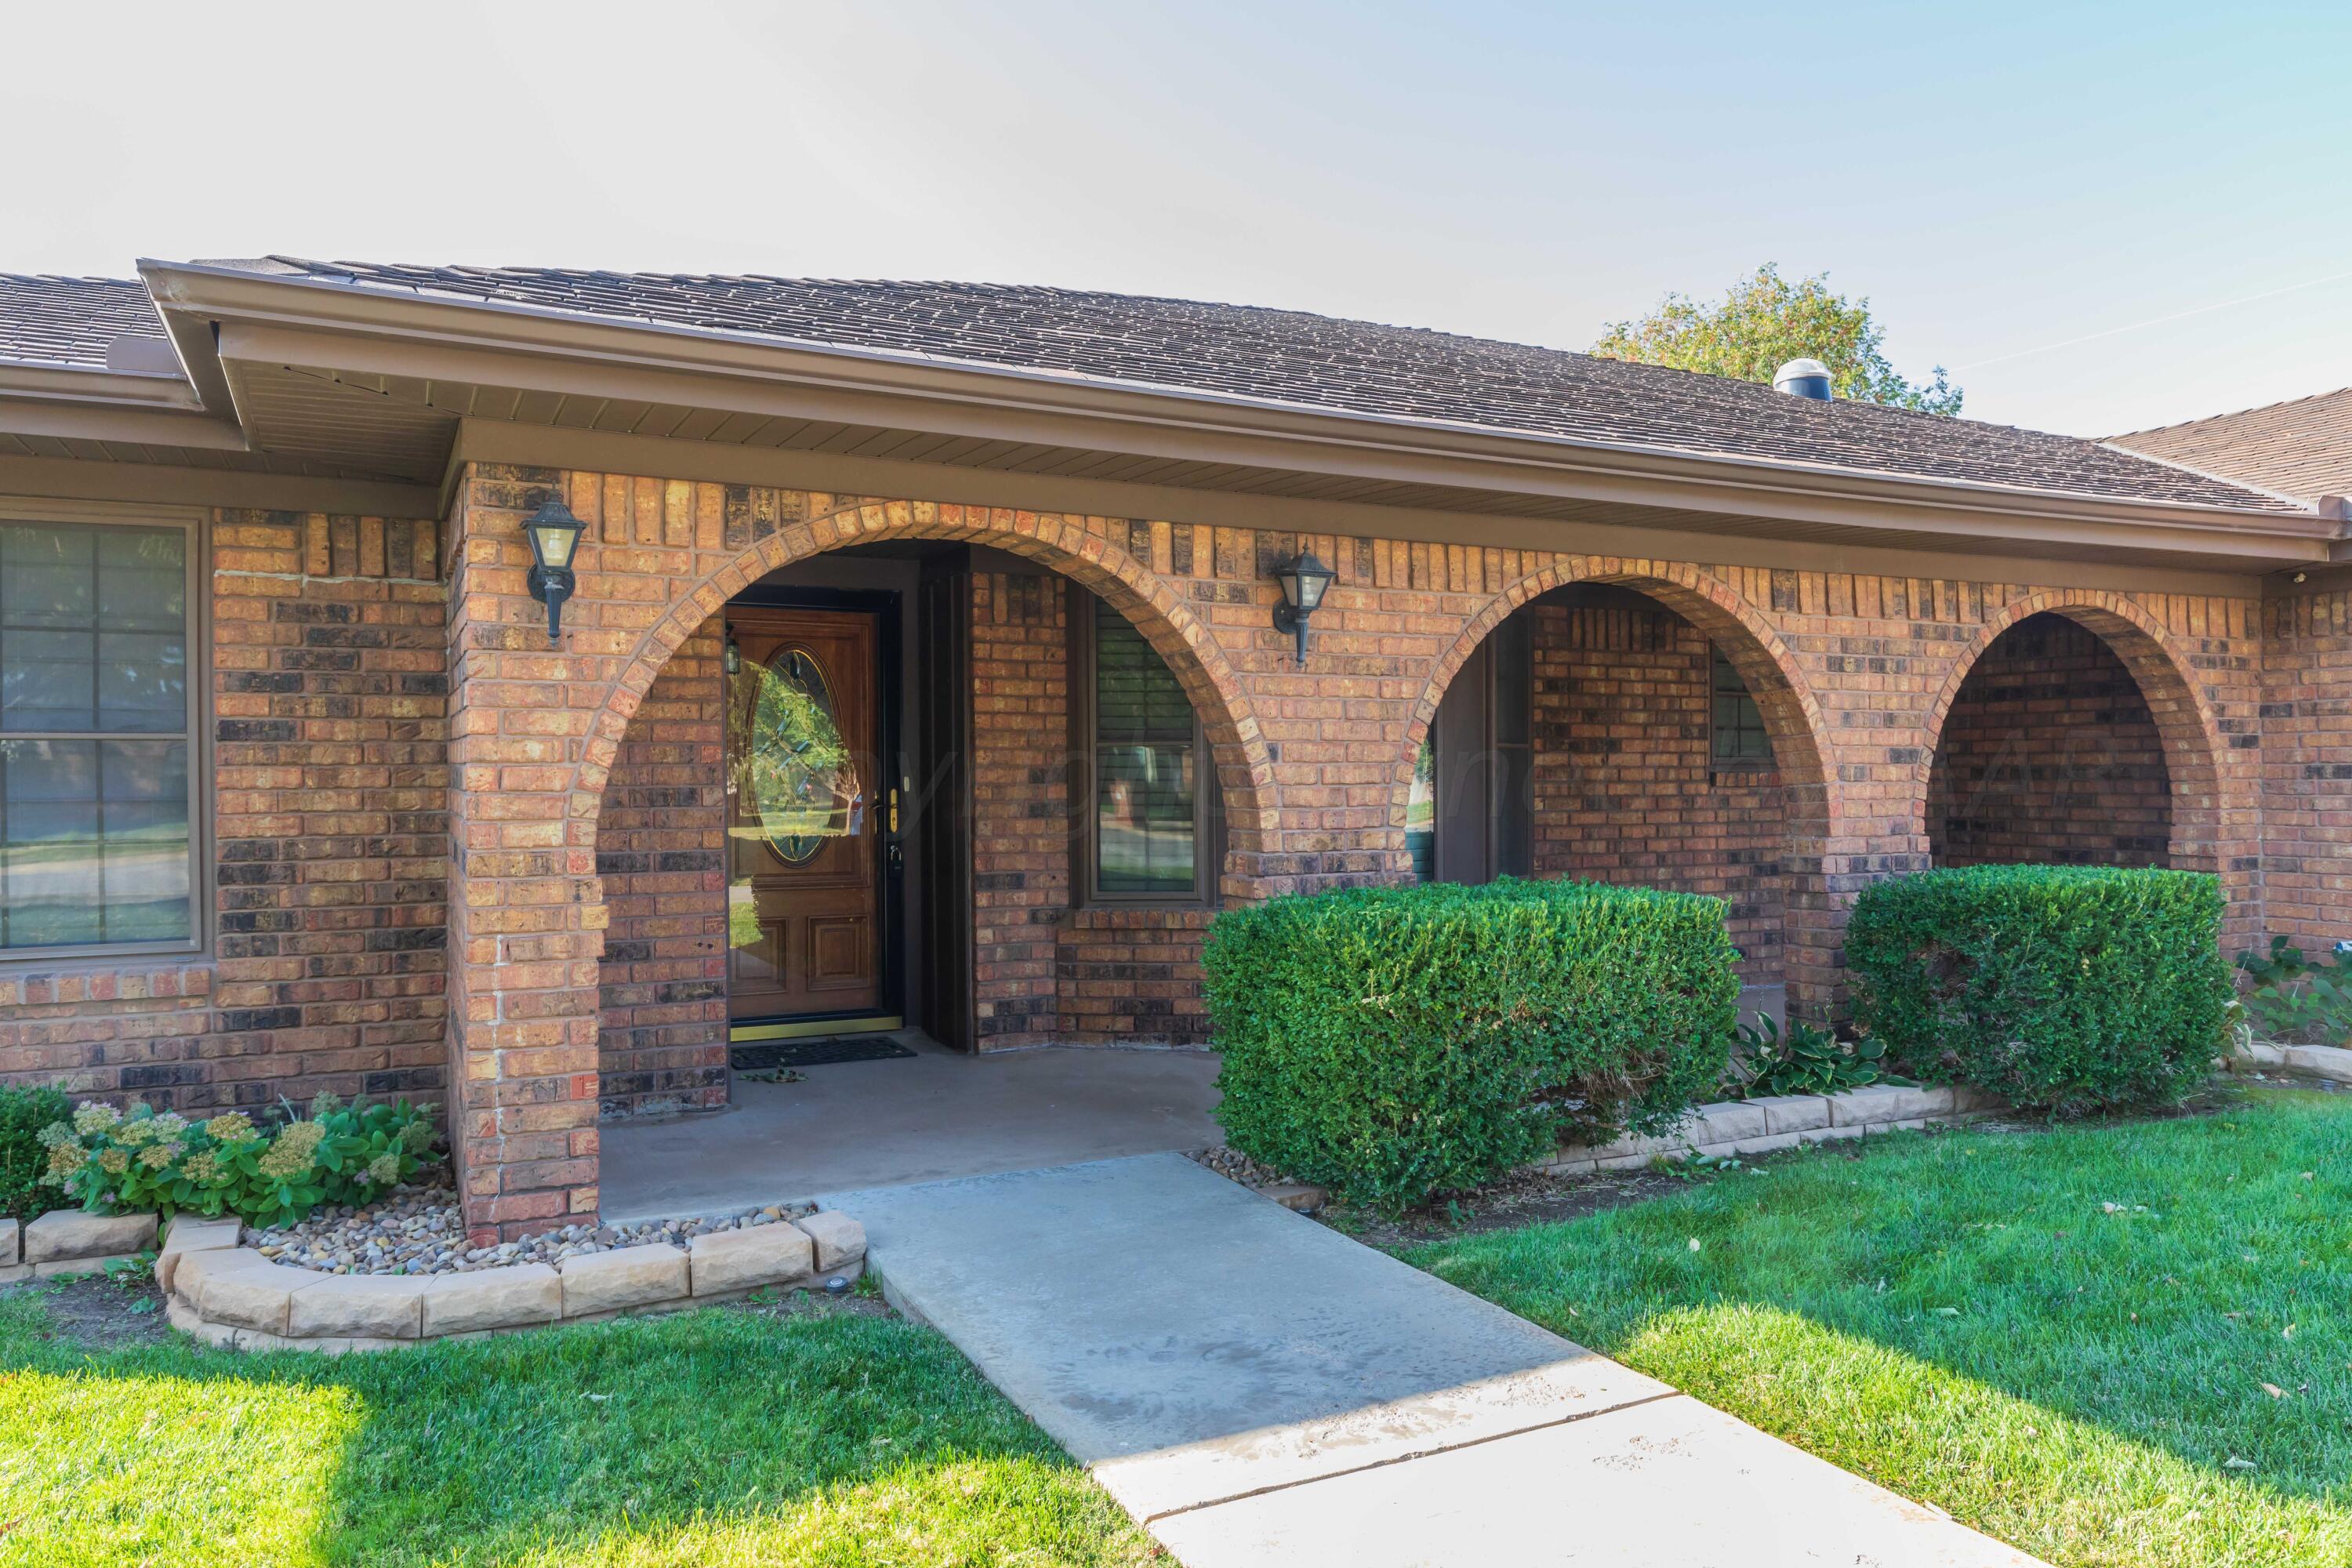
805, 783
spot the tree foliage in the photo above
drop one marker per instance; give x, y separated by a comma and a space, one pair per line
1764, 320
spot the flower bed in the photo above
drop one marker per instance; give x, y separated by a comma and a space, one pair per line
233, 1295
422, 1231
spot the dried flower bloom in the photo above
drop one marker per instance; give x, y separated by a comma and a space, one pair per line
114, 1161
156, 1156
231, 1127
65, 1159
384, 1170
170, 1124
135, 1134
201, 1166
290, 1153
418, 1135
91, 1117
323, 1104
54, 1133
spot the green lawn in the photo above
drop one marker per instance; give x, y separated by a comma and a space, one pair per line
2124, 1345
718, 1438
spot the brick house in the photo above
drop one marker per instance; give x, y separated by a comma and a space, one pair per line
924, 668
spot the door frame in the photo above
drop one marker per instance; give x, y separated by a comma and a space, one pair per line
883, 603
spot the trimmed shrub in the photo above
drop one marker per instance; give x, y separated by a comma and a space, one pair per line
23, 1157
2067, 989
1391, 1043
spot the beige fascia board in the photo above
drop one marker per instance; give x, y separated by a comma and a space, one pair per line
546, 447
86, 383
287, 320
2236, 539
157, 484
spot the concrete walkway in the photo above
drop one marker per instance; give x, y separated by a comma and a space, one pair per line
925, 1117
1259, 1389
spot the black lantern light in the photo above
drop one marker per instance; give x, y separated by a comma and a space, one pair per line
1304, 579
554, 534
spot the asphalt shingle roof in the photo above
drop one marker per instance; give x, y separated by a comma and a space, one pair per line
69, 321
2302, 449
1247, 352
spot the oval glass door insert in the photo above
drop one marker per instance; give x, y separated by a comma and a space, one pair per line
804, 781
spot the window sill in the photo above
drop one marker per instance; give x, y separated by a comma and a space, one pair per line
1190, 915
121, 978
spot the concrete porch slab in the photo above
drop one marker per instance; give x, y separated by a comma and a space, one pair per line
934, 1116
1257, 1388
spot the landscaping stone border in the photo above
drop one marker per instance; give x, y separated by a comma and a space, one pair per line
1728, 1127
226, 1293
2331, 1062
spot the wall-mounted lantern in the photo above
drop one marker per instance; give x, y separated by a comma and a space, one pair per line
732, 661
1304, 579
554, 534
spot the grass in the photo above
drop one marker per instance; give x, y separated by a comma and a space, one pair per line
2114, 1344
722, 1437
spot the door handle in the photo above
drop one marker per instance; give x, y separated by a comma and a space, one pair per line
894, 808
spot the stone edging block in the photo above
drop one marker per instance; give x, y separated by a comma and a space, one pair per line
2329, 1062
227, 1294
728, 1260
504, 1298
68, 1241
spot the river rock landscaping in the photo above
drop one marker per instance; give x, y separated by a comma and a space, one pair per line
421, 1230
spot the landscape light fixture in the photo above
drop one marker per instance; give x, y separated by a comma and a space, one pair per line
554, 534
1304, 580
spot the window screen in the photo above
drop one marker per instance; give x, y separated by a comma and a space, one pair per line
1148, 761
95, 784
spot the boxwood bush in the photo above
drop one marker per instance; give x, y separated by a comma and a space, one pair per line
2067, 989
1392, 1043
23, 1157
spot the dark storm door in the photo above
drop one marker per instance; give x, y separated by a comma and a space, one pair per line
807, 802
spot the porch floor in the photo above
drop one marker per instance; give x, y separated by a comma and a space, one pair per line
935, 1116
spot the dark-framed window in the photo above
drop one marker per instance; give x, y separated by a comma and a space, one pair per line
1144, 785
100, 774
1739, 739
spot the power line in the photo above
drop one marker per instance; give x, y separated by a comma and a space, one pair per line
2153, 321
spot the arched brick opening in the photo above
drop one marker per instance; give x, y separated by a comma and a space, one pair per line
2049, 755
536, 732
2206, 812
1798, 878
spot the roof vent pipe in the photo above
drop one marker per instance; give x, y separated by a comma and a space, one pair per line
1803, 378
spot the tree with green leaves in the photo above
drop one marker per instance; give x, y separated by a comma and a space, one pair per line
1764, 320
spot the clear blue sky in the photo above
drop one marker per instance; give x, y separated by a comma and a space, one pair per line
1997, 178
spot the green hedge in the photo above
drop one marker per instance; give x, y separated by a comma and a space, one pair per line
2062, 988
1395, 1042
23, 1157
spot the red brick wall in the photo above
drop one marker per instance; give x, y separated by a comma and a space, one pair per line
1021, 803
661, 849
1625, 789
329, 842
2050, 754
2306, 754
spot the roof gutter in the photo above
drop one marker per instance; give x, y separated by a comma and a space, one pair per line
63, 402
269, 316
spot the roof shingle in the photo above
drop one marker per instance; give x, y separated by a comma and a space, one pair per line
2300, 449
70, 320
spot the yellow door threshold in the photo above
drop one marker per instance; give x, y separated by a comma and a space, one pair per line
811, 1028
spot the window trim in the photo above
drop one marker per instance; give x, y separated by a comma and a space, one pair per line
1208, 822
1715, 761
196, 523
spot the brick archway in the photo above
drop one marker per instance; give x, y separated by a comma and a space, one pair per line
2210, 803
536, 730
1792, 717
1245, 772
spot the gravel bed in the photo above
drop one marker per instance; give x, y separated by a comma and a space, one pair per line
420, 1230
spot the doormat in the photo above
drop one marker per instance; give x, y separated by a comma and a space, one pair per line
765, 1054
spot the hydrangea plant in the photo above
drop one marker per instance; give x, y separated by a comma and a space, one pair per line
142, 1160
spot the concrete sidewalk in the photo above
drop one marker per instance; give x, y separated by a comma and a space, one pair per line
1259, 1389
